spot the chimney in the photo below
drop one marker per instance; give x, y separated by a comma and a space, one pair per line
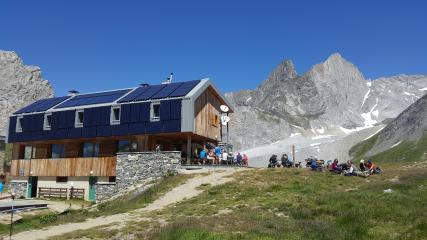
168, 80
144, 84
72, 93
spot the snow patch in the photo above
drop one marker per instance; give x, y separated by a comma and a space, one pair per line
368, 116
374, 134
314, 144
322, 136
366, 97
295, 126
409, 94
423, 89
368, 84
294, 134
375, 113
248, 99
394, 145
320, 130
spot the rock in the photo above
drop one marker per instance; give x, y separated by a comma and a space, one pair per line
20, 85
331, 99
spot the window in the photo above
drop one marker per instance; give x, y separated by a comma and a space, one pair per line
80, 116
115, 115
111, 179
47, 125
61, 179
127, 146
58, 150
29, 152
90, 149
19, 123
155, 111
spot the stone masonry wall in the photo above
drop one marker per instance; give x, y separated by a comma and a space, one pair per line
20, 188
139, 168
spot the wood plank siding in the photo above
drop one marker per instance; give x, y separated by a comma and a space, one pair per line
207, 115
101, 166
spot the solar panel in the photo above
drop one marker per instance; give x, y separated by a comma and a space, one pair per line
184, 89
131, 96
42, 105
94, 98
166, 91
150, 92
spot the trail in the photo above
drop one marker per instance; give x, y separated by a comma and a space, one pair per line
177, 194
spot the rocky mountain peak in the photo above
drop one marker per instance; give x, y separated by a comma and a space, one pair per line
19, 85
284, 70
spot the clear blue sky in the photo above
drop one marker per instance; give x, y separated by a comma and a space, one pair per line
101, 45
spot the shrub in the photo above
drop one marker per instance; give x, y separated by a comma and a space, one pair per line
51, 217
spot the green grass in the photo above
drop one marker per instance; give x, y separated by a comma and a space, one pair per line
299, 204
404, 152
119, 205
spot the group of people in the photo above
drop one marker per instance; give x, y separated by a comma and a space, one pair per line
349, 169
285, 161
216, 156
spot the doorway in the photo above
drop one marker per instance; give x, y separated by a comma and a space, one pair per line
92, 191
32, 187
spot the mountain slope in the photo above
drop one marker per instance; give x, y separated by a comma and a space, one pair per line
19, 85
331, 100
404, 138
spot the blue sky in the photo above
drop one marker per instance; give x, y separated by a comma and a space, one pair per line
101, 45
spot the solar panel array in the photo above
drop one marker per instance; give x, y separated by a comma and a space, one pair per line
42, 105
144, 93
94, 98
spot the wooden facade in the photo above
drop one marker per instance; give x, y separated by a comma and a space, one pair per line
100, 166
207, 115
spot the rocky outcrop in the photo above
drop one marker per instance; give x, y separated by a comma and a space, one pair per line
20, 85
331, 99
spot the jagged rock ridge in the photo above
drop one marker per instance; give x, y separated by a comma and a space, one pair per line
20, 85
332, 99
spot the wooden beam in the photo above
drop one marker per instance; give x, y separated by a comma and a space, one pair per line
188, 151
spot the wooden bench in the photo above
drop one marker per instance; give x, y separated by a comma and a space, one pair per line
53, 192
77, 193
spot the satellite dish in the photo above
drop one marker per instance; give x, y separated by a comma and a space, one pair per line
224, 108
225, 120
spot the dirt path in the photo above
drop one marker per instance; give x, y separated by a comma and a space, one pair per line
182, 192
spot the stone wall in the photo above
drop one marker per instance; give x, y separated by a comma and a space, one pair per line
138, 169
20, 188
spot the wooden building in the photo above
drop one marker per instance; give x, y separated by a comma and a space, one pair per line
74, 139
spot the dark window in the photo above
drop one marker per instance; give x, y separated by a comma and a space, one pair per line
29, 152
58, 150
47, 121
79, 118
116, 114
155, 111
90, 149
127, 146
112, 179
19, 124
62, 179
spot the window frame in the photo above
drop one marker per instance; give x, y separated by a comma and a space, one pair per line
46, 125
114, 121
62, 153
154, 118
95, 149
19, 124
77, 122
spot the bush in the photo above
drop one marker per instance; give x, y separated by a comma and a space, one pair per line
52, 217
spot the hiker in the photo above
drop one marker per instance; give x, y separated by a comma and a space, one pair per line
245, 160
273, 161
335, 168
313, 165
211, 157
362, 165
351, 169
224, 158
286, 162
202, 156
239, 159
372, 168
218, 152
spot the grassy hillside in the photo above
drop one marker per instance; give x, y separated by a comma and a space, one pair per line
406, 151
292, 204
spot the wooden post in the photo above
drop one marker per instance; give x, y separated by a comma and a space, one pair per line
293, 155
145, 143
188, 152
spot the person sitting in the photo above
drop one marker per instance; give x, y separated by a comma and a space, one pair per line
351, 169
273, 161
202, 156
362, 165
372, 168
224, 159
218, 152
335, 168
313, 165
211, 157
245, 160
